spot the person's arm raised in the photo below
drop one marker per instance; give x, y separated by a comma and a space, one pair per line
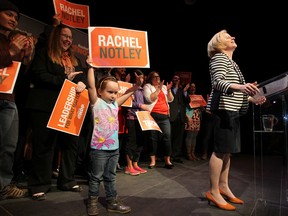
120, 100
92, 91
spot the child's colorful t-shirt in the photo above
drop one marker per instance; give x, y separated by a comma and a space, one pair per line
106, 125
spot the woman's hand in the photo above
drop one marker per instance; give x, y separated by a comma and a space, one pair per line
72, 75
80, 86
250, 89
186, 87
56, 20
128, 78
145, 107
29, 48
169, 85
258, 100
17, 44
138, 81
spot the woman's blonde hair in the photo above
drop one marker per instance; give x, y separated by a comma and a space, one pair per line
216, 45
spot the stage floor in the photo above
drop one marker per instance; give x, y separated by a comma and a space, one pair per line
260, 181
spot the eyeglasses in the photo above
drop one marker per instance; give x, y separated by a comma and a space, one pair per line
67, 36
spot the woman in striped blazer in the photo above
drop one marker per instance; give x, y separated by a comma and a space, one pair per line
228, 100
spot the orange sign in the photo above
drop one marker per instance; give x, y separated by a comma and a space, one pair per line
8, 76
74, 15
146, 121
70, 109
123, 87
117, 47
197, 101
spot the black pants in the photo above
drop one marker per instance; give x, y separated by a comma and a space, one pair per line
43, 143
177, 134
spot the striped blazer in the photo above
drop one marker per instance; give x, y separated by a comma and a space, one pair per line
223, 73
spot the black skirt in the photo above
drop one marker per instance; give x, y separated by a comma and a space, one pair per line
227, 137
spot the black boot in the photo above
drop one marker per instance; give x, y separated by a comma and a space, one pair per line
115, 205
92, 208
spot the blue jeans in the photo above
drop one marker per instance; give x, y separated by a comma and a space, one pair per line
103, 168
163, 140
9, 124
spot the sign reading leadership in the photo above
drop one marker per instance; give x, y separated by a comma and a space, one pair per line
70, 109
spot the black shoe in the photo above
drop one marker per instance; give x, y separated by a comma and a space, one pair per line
39, 197
151, 166
169, 166
76, 188
119, 168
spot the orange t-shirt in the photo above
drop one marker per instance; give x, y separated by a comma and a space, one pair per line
161, 105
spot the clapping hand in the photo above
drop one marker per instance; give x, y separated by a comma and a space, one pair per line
169, 85
138, 80
17, 44
29, 47
186, 87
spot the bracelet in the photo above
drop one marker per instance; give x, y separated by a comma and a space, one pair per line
89, 66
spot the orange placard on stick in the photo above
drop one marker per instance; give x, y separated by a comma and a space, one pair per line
123, 86
70, 109
73, 15
8, 77
197, 101
118, 47
146, 121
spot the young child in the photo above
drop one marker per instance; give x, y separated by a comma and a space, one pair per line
104, 152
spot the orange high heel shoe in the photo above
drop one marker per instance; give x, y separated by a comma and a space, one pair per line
227, 207
231, 199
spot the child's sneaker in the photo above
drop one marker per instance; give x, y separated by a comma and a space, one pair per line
116, 206
131, 171
142, 171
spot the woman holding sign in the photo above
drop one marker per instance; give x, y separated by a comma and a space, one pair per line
50, 68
